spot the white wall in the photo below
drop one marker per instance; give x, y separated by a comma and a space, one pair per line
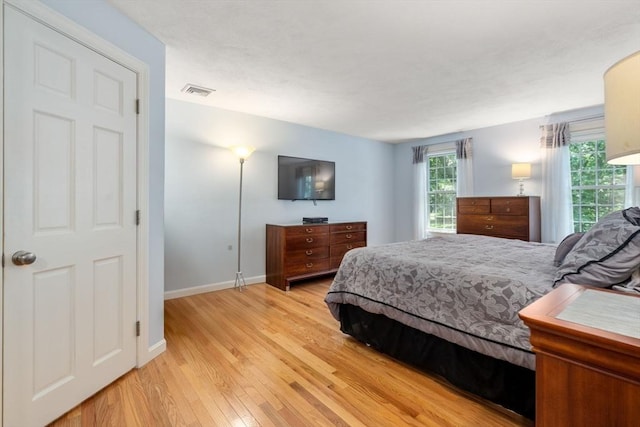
494, 150
202, 183
101, 18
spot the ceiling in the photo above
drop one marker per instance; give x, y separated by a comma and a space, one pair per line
391, 70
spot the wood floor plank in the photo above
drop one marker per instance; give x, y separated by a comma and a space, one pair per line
264, 357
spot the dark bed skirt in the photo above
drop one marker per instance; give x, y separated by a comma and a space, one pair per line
501, 382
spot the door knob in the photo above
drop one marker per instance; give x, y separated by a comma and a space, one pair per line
23, 258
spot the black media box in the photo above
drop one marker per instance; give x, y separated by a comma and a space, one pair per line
314, 220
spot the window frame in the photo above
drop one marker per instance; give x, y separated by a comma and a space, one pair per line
617, 184
444, 151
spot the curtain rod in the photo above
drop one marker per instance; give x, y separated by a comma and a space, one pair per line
582, 119
452, 141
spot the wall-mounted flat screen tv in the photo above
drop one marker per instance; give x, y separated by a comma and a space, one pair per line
306, 179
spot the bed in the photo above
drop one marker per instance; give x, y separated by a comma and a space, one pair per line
449, 304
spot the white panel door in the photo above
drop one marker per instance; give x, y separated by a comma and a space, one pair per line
70, 199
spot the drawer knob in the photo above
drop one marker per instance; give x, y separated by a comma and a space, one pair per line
349, 227
489, 218
348, 236
309, 239
309, 230
309, 252
508, 209
309, 264
489, 227
349, 246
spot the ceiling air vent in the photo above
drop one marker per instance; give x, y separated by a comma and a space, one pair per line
197, 90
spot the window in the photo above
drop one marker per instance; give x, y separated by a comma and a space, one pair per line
441, 192
597, 188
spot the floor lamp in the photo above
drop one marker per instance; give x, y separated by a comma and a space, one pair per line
243, 153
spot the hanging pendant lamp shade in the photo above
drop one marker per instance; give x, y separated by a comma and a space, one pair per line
622, 111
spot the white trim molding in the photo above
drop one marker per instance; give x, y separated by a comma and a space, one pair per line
2, 208
153, 351
202, 289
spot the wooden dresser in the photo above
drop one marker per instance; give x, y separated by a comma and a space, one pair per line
298, 252
510, 217
585, 376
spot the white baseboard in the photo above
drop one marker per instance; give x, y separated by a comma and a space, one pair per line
152, 352
179, 293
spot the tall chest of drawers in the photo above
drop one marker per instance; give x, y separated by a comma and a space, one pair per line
509, 217
298, 252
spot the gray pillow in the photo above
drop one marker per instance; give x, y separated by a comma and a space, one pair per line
632, 285
565, 246
607, 254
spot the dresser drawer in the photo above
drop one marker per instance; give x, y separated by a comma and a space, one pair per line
356, 236
338, 251
514, 206
305, 255
309, 267
307, 230
474, 206
494, 225
306, 242
357, 226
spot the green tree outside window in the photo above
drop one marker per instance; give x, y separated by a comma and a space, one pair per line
597, 188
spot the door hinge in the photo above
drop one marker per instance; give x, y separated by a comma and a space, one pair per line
138, 328
138, 217
2, 260
137, 106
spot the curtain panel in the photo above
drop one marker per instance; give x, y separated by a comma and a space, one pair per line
632, 194
420, 177
555, 135
556, 207
464, 178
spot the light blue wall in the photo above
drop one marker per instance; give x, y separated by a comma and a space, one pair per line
494, 150
374, 183
202, 181
101, 18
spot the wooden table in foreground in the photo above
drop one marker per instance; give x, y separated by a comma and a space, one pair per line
585, 376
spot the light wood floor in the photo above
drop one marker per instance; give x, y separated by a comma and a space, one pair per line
264, 357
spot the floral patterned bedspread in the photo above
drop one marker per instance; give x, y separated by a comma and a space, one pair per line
463, 288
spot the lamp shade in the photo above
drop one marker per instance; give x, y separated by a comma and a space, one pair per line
242, 151
521, 170
622, 111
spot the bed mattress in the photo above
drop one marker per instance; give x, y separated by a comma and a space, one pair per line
465, 289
